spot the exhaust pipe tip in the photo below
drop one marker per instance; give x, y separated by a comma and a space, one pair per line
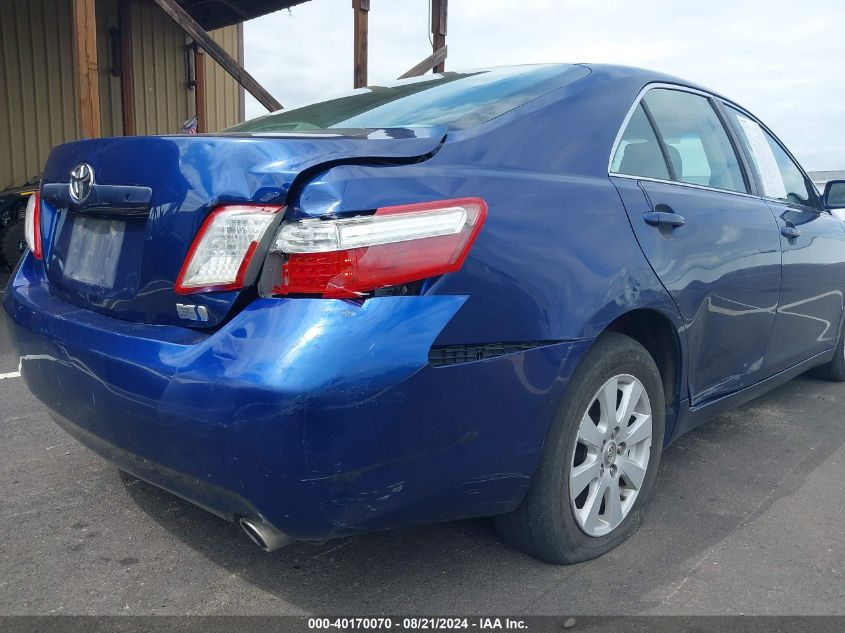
264, 535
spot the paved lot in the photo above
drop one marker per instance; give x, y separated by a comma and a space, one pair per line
748, 517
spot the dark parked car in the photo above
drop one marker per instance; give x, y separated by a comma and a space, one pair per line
492, 293
13, 201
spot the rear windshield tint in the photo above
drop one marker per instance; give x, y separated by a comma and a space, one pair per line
454, 99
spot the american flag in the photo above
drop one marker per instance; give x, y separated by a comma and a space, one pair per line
190, 126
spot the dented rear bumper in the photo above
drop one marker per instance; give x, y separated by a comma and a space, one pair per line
322, 417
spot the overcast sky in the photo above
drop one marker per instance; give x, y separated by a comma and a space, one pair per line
781, 59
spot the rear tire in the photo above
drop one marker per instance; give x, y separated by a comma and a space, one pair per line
834, 369
583, 451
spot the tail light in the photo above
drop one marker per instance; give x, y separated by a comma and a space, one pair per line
223, 248
397, 245
32, 224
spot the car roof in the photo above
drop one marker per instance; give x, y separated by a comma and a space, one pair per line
606, 73
612, 71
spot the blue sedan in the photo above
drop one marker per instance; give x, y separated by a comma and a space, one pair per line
500, 292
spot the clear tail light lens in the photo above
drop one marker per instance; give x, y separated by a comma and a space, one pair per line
348, 257
32, 224
222, 251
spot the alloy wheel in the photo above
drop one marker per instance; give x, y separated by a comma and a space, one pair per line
611, 456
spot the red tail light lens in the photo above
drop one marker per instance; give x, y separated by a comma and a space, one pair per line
397, 245
223, 248
32, 225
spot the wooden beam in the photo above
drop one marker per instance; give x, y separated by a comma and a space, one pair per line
362, 11
226, 61
86, 71
127, 80
427, 64
199, 89
241, 93
439, 15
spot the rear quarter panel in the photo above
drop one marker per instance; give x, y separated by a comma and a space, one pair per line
557, 259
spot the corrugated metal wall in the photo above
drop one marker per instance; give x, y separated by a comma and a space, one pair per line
160, 76
38, 96
162, 99
111, 92
224, 97
36, 81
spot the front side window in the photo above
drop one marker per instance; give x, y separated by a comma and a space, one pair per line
638, 152
778, 175
696, 142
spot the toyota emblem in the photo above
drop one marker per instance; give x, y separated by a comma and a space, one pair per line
81, 182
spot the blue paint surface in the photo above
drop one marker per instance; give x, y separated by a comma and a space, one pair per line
325, 416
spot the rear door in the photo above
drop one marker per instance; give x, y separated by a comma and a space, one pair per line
714, 245
813, 245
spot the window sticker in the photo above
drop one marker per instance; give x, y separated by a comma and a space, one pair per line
767, 164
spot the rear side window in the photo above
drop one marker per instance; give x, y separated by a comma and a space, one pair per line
696, 142
778, 175
638, 152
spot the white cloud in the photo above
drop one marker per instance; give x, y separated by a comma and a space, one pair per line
780, 59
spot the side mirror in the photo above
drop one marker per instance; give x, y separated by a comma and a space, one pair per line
834, 194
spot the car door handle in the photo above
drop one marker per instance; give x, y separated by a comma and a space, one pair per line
790, 232
664, 218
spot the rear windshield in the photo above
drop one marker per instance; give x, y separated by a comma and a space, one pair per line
454, 99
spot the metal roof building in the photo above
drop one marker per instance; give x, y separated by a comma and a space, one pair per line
77, 68
214, 14
87, 68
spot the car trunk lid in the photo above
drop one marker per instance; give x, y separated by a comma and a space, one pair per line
119, 251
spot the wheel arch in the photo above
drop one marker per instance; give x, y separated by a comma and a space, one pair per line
656, 332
